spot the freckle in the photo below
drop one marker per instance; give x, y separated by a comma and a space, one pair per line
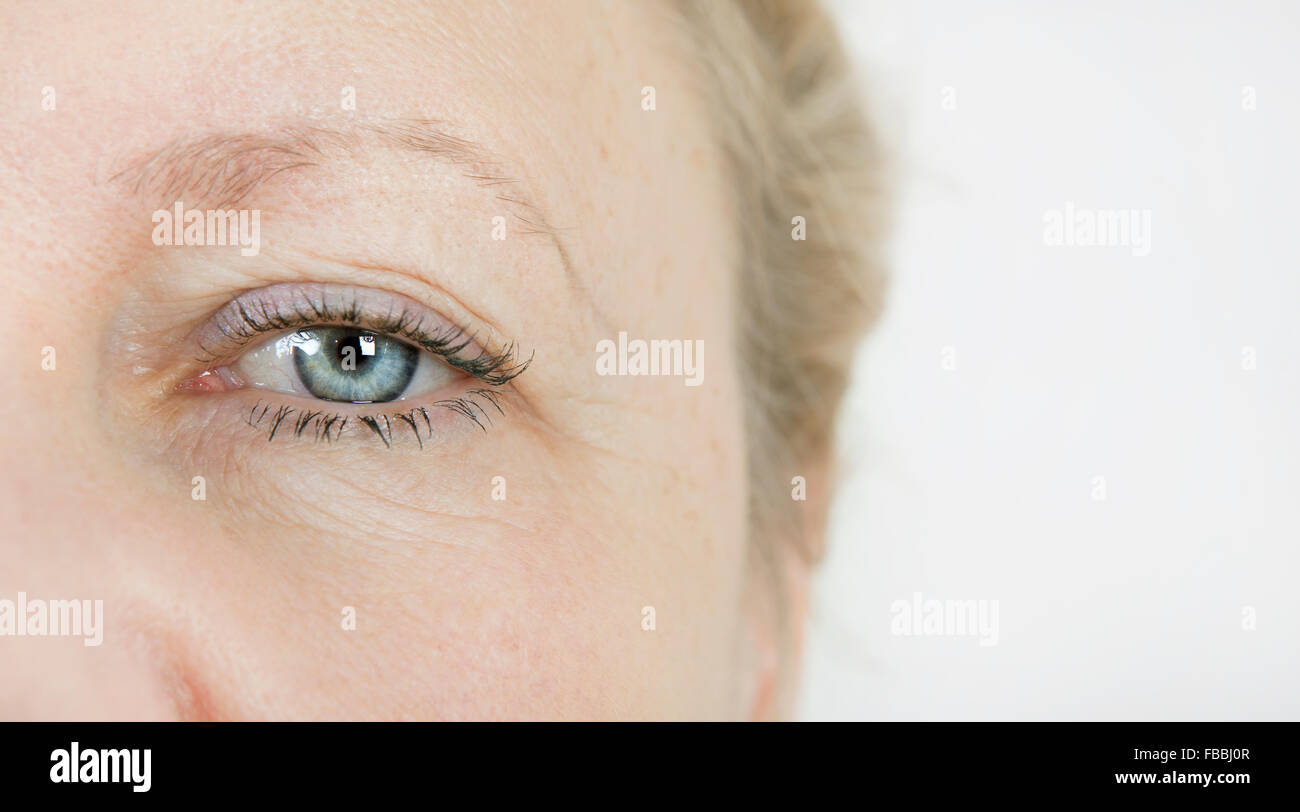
604, 152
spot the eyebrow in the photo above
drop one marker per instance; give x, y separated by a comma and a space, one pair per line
220, 170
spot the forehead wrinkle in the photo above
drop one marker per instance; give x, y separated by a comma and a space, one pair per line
221, 169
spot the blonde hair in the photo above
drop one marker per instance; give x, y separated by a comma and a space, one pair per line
791, 125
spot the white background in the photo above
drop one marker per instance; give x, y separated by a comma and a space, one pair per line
1073, 363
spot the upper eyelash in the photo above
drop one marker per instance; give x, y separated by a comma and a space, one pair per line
257, 318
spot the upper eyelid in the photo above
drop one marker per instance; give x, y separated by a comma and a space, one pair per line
284, 306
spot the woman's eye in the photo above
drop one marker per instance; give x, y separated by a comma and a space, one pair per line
343, 364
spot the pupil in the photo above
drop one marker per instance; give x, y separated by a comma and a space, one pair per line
354, 353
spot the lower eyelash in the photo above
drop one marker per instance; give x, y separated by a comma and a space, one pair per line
285, 421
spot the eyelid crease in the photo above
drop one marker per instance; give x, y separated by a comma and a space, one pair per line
286, 306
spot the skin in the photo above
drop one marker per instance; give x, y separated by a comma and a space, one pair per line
621, 492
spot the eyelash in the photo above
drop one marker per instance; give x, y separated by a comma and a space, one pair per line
325, 423
253, 318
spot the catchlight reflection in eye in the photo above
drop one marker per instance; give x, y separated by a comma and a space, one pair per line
343, 364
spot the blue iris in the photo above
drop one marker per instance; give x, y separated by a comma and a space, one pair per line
352, 365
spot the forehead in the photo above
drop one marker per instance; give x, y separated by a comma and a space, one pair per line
552, 91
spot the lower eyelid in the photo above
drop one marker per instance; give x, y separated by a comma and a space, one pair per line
418, 423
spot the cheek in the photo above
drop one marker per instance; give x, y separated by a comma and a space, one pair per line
555, 628
622, 600
616, 596
605, 591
